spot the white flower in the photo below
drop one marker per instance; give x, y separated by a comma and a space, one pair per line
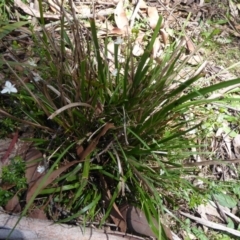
36, 77
118, 41
40, 169
153, 82
161, 172
9, 88
32, 62
115, 72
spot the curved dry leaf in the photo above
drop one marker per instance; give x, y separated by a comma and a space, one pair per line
71, 105
121, 17
236, 145
117, 31
142, 4
164, 36
195, 60
79, 150
110, 50
13, 205
10, 149
49, 180
152, 16
233, 9
7, 186
53, 6
33, 12
156, 47
32, 161
38, 214
83, 9
190, 45
137, 50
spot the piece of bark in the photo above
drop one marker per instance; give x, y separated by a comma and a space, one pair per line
30, 229
136, 221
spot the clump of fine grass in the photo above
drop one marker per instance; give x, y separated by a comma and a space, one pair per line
128, 129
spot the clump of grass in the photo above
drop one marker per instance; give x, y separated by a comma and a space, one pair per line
129, 129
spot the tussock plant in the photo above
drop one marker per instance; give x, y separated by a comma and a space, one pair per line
114, 128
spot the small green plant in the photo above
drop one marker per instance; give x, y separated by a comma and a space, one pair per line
7, 126
13, 173
5, 196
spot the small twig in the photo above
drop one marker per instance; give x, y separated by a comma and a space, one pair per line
135, 13
237, 219
207, 163
211, 224
222, 214
124, 127
25, 121
103, 151
226, 106
120, 172
88, 140
204, 163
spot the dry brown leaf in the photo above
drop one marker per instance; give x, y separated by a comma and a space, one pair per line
47, 181
137, 222
156, 48
54, 7
208, 209
83, 9
115, 213
110, 50
168, 232
195, 60
143, 4
233, 9
7, 186
153, 16
13, 205
32, 161
190, 45
33, 12
79, 150
117, 31
121, 17
137, 48
95, 141
164, 36
236, 145
38, 214
10, 149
